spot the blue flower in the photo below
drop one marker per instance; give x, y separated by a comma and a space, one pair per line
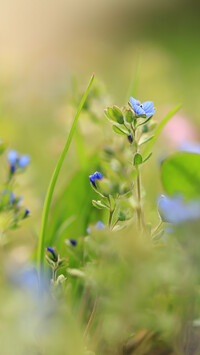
100, 225
130, 138
145, 109
12, 197
176, 210
12, 158
88, 230
26, 213
23, 161
73, 242
95, 176
52, 254
17, 161
190, 147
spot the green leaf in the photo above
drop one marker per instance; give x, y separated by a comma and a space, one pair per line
52, 183
115, 114
112, 202
180, 174
145, 140
118, 130
99, 204
160, 128
147, 158
129, 115
145, 122
137, 159
118, 114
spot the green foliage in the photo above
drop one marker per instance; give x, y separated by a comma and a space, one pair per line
137, 159
49, 195
115, 114
180, 174
118, 130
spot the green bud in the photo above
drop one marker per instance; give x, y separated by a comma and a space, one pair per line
137, 159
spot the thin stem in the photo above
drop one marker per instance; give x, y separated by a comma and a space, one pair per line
49, 195
91, 319
157, 228
111, 213
110, 218
54, 272
115, 223
139, 210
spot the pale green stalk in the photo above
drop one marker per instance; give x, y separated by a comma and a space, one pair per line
49, 195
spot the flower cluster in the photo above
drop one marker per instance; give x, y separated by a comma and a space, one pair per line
17, 161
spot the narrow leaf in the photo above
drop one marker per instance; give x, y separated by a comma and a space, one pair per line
118, 130
51, 187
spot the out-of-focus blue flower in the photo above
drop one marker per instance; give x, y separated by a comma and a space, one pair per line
12, 158
73, 242
95, 176
176, 210
100, 225
146, 108
88, 230
130, 138
26, 213
17, 161
12, 198
190, 147
23, 161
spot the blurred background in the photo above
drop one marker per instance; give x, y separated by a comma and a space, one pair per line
48, 45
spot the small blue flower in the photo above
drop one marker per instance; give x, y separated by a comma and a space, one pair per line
12, 158
130, 138
100, 225
23, 161
26, 213
190, 147
73, 242
51, 252
144, 109
17, 161
12, 198
88, 230
95, 176
176, 210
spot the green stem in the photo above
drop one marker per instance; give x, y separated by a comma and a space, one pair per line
49, 195
115, 223
139, 210
110, 218
54, 271
91, 318
157, 228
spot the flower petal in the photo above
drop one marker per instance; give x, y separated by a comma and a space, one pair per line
134, 101
138, 110
148, 106
12, 157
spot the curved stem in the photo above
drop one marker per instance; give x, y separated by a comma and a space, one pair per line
49, 195
91, 318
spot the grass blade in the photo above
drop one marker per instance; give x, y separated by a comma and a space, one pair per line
49, 195
160, 128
